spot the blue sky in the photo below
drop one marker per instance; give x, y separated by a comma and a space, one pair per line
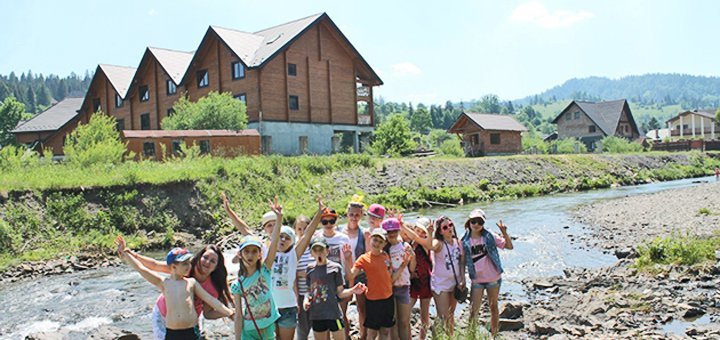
425, 51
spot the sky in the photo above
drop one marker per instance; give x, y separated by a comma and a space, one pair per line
424, 51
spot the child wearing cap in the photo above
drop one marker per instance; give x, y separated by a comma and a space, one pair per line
179, 292
379, 304
325, 281
420, 277
483, 263
398, 252
254, 304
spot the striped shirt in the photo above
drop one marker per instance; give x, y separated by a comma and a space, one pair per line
302, 264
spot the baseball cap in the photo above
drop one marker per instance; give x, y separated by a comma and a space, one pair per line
318, 241
379, 232
250, 240
178, 254
376, 210
269, 216
391, 224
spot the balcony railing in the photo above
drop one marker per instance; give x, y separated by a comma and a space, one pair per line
363, 91
364, 120
698, 132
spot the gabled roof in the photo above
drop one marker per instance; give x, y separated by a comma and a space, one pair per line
488, 121
256, 49
175, 63
703, 113
606, 115
187, 133
53, 118
120, 77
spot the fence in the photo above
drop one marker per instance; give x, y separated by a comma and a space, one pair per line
687, 145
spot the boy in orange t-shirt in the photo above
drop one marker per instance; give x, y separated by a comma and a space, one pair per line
380, 305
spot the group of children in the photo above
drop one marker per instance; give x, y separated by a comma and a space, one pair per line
302, 279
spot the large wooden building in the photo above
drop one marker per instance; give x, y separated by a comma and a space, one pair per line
303, 84
590, 122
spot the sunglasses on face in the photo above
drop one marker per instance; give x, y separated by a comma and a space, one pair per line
447, 226
473, 222
326, 222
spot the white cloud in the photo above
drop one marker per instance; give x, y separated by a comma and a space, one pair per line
536, 13
406, 69
151, 12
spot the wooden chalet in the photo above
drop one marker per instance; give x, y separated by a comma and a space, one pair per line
485, 134
590, 122
49, 128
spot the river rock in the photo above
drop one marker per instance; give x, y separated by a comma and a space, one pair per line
625, 253
543, 285
511, 310
45, 336
111, 332
511, 325
542, 328
690, 311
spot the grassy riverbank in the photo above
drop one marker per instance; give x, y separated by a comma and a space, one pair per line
51, 210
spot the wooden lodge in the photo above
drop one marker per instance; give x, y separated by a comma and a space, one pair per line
590, 122
47, 130
485, 134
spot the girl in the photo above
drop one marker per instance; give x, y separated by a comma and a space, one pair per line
284, 273
447, 272
207, 267
255, 308
483, 263
325, 279
359, 237
399, 251
420, 277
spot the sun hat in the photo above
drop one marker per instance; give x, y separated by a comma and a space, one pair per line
423, 223
177, 255
250, 240
476, 213
269, 216
376, 210
391, 224
379, 232
318, 241
289, 232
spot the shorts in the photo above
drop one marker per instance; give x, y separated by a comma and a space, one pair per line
402, 294
420, 288
327, 325
379, 313
268, 333
288, 317
486, 285
182, 334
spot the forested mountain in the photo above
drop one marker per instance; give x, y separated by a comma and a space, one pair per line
37, 92
690, 92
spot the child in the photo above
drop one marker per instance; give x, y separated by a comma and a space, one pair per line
447, 271
325, 279
398, 252
379, 303
179, 292
359, 238
420, 277
483, 263
303, 324
251, 290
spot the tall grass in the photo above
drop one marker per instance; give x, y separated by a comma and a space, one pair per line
677, 250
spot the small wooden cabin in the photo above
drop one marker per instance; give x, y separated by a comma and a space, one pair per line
485, 134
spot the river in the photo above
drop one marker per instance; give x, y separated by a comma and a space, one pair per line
79, 303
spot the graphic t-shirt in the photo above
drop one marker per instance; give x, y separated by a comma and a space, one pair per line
335, 245
323, 281
259, 297
377, 268
397, 254
283, 279
485, 270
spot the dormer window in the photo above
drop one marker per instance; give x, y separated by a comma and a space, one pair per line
203, 78
144, 93
238, 70
118, 100
171, 87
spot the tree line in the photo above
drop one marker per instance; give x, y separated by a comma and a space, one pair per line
37, 92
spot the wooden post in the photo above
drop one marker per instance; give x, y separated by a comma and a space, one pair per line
693, 124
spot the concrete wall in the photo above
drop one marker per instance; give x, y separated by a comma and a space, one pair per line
285, 137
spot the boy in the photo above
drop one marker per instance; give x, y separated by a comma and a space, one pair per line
179, 292
380, 306
325, 282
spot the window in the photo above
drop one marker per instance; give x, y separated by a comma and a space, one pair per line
176, 147
203, 79
591, 128
238, 70
627, 129
170, 112
303, 144
120, 124
577, 115
474, 139
145, 121
171, 87
294, 103
96, 104
144, 93
241, 97
568, 116
292, 70
149, 149
266, 142
204, 146
118, 100
495, 138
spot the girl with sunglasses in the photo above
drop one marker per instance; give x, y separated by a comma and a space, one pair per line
483, 263
447, 272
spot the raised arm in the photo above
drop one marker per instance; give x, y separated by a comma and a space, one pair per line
275, 238
147, 274
238, 316
503, 230
429, 242
149, 263
413, 259
350, 270
210, 300
309, 230
241, 226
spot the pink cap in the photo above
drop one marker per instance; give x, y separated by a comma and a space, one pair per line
391, 224
376, 210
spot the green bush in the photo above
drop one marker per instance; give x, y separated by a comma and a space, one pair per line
532, 142
216, 111
677, 250
10, 238
17, 158
452, 147
615, 144
393, 137
97, 142
567, 146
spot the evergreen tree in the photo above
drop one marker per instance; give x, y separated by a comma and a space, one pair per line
31, 103
44, 97
421, 121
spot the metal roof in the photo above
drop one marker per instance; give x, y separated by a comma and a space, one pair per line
187, 133
53, 118
119, 76
489, 121
174, 62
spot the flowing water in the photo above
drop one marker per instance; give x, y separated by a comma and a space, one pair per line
80, 302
